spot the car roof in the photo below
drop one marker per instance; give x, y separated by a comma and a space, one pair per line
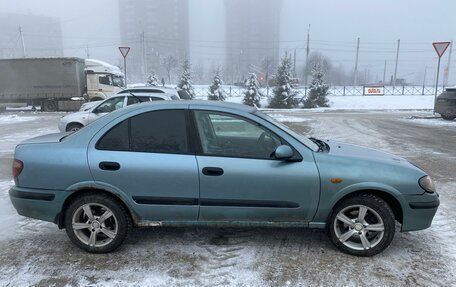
201, 104
146, 89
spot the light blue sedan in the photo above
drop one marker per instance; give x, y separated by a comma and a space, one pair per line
219, 164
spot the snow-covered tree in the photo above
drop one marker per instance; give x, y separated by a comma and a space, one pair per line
252, 92
185, 82
152, 80
283, 92
216, 92
318, 90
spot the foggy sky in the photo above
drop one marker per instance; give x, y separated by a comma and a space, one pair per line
335, 26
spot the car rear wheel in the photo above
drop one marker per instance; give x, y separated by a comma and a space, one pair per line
96, 223
362, 225
448, 118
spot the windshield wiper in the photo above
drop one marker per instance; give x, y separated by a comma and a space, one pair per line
322, 146
124, 90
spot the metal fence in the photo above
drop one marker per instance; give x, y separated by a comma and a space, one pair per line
231, 91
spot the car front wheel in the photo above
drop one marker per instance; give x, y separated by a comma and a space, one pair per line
96, 223
362, 225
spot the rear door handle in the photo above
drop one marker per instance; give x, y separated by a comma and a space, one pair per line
212, 171
109, 165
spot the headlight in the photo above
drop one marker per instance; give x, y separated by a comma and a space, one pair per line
427, 184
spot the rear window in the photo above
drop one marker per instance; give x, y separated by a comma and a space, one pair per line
134, 100
450, 93
184, 95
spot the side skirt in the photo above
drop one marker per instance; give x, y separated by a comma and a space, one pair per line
282, 224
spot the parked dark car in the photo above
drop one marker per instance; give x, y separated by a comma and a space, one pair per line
446, 104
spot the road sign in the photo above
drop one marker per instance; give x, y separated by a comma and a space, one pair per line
124, 51
440, 47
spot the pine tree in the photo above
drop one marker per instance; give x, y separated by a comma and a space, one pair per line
252, 92
216, 92
318, 90
283, 93
185, 82
152, 80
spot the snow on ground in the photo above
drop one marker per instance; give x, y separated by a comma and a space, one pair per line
417, 102
9, 119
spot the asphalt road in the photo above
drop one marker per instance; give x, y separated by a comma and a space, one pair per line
37, 253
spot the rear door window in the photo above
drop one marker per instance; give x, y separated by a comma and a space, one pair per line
156, 132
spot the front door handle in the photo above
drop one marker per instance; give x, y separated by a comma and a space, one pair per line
212, 171
109, 165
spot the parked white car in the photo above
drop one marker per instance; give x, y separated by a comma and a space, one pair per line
91, 111
178, 94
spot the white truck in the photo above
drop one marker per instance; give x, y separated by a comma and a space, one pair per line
57, 84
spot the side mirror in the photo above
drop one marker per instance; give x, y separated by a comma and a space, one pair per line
283, 152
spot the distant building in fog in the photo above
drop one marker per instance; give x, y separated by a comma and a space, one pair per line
42, 36
252, 34
154, 30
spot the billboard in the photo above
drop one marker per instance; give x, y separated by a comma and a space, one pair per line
374, 90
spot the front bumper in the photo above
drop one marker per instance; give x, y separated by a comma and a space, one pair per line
419, 211
40, 204
62, 126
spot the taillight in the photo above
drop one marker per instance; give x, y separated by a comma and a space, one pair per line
17, 167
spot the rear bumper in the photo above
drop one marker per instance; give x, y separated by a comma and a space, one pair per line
37, 203
445, 109
420, 211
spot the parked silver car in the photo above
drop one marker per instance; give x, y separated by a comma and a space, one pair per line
94, 110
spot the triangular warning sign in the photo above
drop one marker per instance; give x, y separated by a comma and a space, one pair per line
440, 47
124, 51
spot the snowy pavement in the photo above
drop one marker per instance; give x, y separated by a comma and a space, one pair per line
33, 252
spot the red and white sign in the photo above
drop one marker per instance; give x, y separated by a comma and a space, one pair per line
440, 47
124, 51
374, 90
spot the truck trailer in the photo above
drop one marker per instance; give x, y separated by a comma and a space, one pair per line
56, 84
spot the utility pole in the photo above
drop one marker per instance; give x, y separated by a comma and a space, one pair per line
384, 73
143, 53
447, 74
395, 68
355, 76
23, 42
306, 69
87, 52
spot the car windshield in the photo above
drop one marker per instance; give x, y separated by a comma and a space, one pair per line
303, 139
118, 80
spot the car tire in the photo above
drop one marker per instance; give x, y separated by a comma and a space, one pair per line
362, 225
72, 127
448, 118
97, 223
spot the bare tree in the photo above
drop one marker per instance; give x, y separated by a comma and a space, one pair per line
169, 63
318, 59
267, 65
